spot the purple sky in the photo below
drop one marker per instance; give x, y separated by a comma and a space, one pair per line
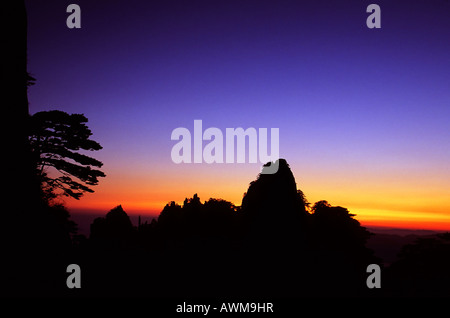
352, 103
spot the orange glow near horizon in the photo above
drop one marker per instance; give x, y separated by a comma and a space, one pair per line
377, 201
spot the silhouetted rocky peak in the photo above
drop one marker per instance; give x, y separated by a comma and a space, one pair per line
116, 224
275, 192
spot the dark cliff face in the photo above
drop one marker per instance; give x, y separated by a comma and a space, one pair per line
275, 193
272, 206
115, 225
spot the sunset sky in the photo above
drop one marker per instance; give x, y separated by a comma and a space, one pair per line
363, 113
